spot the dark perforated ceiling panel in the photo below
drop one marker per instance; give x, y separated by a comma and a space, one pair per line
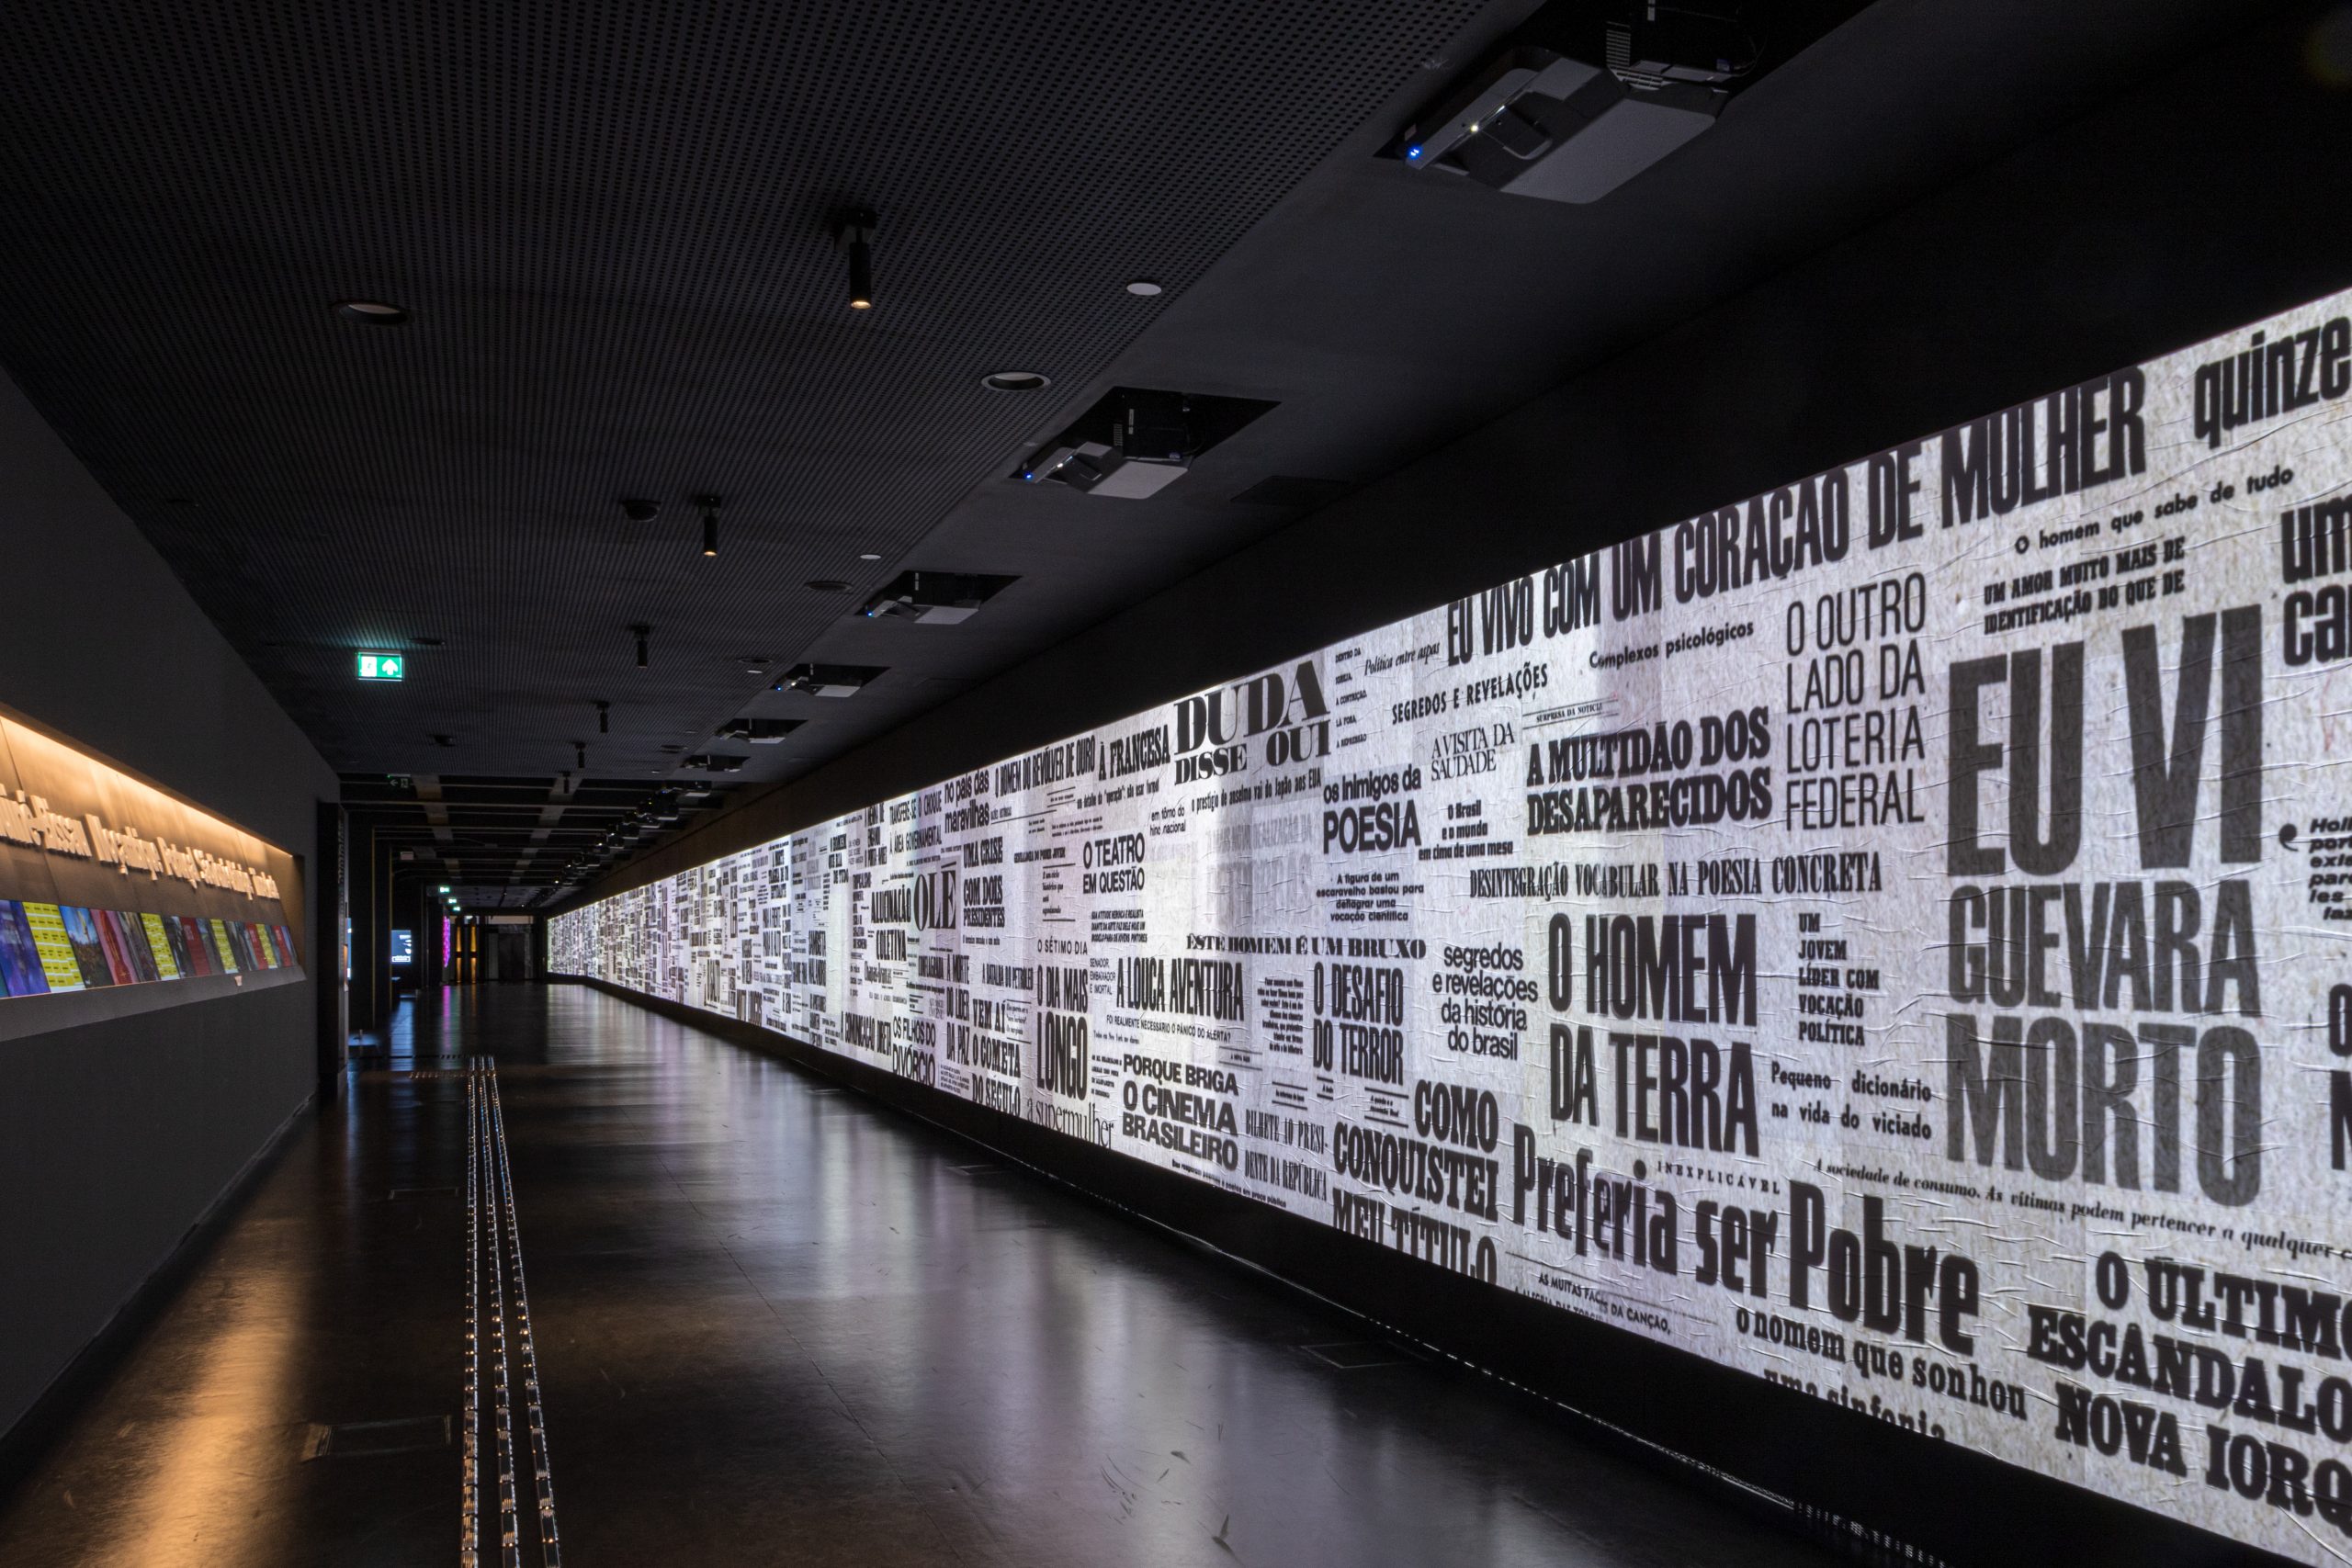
612, 224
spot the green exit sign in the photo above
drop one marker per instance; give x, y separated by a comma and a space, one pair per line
383, 666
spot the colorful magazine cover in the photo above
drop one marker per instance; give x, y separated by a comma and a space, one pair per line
111, 942
264, 955
196, 952
286, 943
175, 932
206, 956
130, 936
134, 945
218, 929
89, 944
57, 961
20, 964
160, 944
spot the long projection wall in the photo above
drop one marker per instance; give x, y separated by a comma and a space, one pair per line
1885, 936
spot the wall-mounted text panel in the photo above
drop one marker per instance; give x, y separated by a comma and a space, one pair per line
106, 881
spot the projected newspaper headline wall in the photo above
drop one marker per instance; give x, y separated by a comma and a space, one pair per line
1887, 935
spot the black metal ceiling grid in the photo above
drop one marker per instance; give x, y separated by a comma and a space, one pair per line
482, 835
612, 224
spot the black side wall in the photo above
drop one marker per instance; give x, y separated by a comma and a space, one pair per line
120, 1129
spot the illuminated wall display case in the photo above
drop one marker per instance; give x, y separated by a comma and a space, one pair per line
1886, 936
108, 880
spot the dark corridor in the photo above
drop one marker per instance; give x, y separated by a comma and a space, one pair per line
778, 1323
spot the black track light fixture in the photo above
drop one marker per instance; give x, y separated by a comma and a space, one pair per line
580, 750
604, 718
641, 633
709, 505
855, 234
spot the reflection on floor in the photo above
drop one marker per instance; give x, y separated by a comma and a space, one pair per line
776, 1324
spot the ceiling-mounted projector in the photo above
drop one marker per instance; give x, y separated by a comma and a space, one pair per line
1135, 441
757, 731
828, 679
934, 598
1588, 95
1147, 441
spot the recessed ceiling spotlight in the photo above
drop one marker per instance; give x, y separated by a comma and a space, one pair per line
827, 585
1143, 287
1014, 381
869, 557
373, 313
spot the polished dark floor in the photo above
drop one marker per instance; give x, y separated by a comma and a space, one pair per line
777, 1324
